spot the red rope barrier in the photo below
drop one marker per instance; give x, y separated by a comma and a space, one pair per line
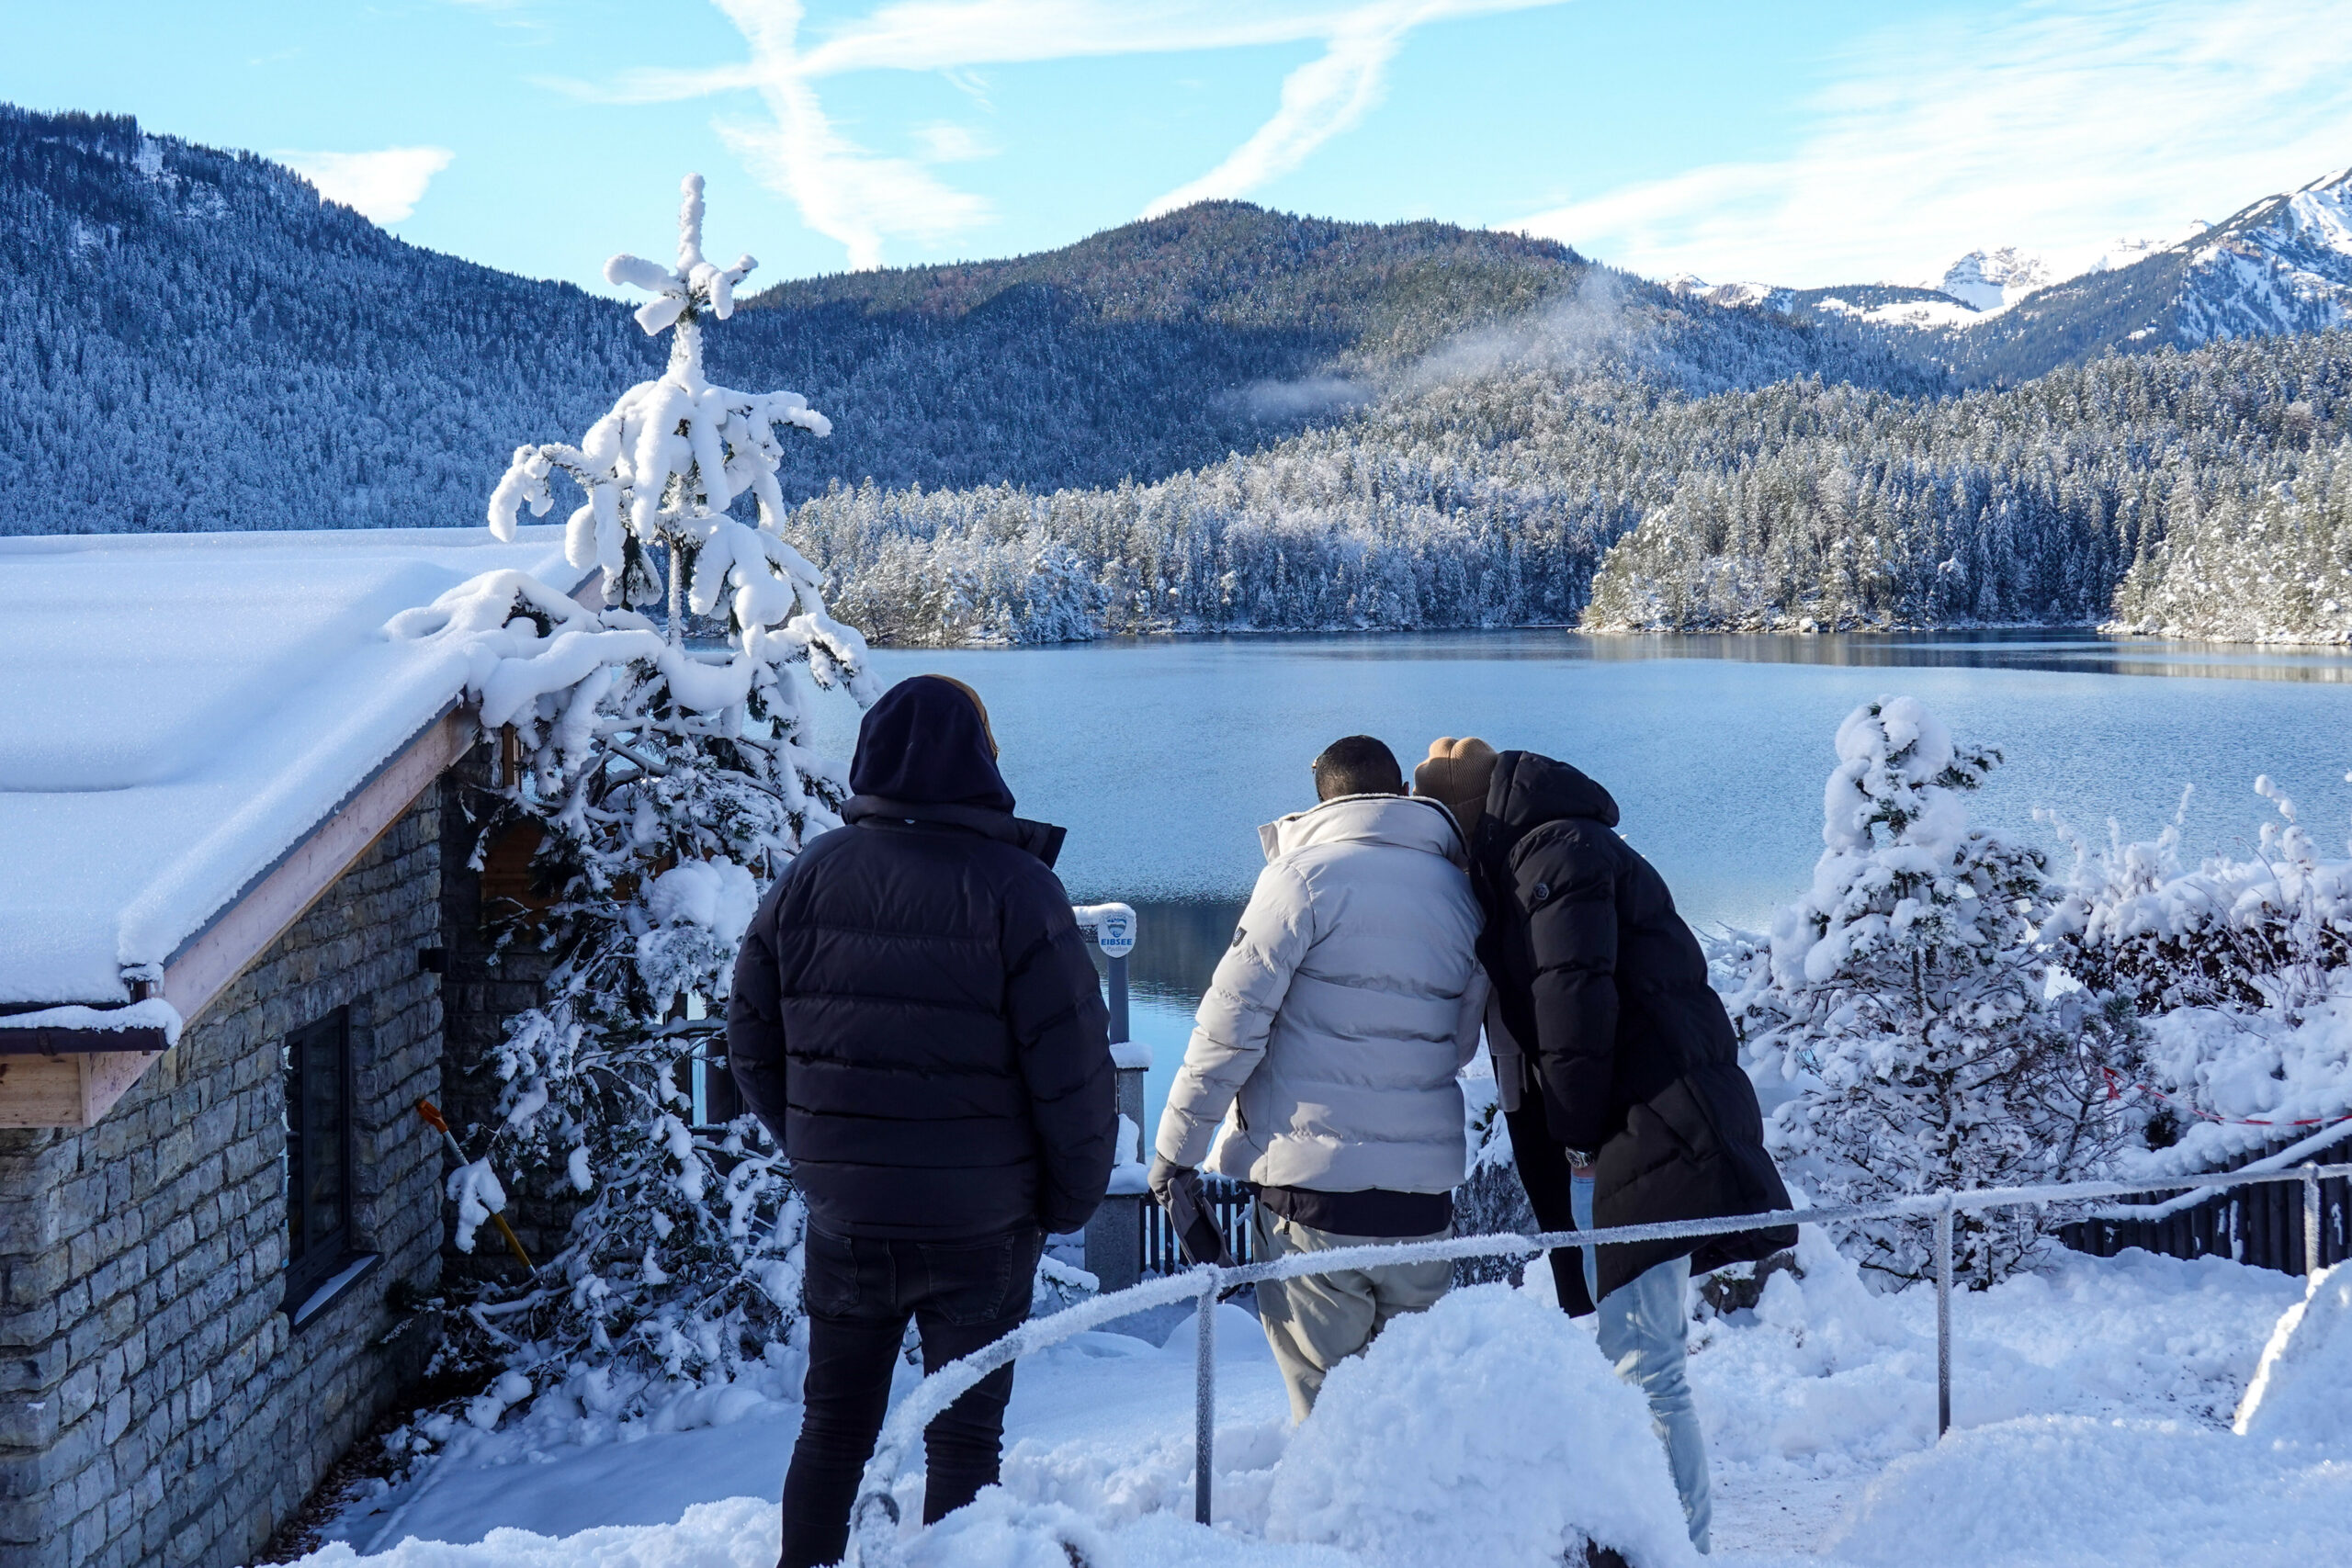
2113, 1092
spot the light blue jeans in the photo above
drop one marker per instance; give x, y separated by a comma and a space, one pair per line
1645, 1332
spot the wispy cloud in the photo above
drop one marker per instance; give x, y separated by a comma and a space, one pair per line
2060, 131
843, 191
383, 186
1320, 100
863, 199
944, 141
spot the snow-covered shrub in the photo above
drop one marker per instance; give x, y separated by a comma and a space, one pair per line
2270, 932
668, 784
2239, 970
1491, 1199
1908, 1000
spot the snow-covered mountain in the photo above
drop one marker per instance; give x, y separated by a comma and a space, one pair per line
2284, 265
1691, 286
1990, 280
2008, 313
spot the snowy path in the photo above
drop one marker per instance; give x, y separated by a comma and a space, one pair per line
2076, 1390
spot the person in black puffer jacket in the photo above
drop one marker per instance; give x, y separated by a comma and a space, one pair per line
1615, 1063
915, 1019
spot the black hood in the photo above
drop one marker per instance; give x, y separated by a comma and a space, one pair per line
925, 743
1040, 839
1530, 789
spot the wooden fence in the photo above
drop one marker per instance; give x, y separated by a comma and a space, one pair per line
2259, 1226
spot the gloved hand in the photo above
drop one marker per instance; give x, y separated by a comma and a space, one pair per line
1178, 1188
1164, 1174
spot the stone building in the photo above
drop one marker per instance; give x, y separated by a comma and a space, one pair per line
230, 862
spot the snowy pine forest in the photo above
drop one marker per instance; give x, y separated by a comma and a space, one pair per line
1540, 495
1226, 419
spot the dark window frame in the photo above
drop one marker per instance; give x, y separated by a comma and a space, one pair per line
315, 1257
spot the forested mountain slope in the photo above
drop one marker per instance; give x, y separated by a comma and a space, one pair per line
1228, 417
1526, 493
191, 339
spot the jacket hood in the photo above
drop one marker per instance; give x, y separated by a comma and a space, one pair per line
1404, 821
1530, 789
1040, 839
925, 743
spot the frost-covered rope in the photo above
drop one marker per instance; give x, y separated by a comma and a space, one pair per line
874, 1524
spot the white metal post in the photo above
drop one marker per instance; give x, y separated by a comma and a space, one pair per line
1205, 1402
1943, 1319
2311, 1223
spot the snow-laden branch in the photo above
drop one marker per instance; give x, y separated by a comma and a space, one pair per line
676, 452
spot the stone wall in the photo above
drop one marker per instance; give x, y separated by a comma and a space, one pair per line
156, 1407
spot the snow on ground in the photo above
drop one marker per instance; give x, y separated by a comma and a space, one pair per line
2093, 1407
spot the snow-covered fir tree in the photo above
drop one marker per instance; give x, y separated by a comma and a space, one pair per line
1906, 998
2274, 565
668, 781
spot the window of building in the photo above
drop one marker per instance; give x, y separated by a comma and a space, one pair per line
320, 1255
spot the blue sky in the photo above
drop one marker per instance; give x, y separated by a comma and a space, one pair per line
1807, 143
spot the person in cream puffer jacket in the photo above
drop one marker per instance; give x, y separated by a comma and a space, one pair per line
1333, 1033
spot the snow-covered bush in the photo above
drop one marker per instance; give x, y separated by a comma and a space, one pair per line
668, 784
2239, 970
2270, 932
1906, 998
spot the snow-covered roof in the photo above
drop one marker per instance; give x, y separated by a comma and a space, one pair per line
181, 710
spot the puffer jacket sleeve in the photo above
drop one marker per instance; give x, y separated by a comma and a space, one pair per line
755, 1020
1568, 886
1229, 1031
1061, 1032
1471, 1021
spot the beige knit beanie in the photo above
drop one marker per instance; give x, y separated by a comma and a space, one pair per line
1457, 773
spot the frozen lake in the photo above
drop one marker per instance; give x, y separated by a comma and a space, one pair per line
1162, 756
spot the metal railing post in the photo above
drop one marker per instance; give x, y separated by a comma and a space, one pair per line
1205, 1403
1113, 925
1943, 1320
1118, 987
2311, 1221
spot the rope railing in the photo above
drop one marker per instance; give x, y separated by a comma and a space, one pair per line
874, 1522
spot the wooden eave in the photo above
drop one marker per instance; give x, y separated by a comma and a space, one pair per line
43, 1042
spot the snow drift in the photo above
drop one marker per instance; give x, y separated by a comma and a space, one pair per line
1488, 1430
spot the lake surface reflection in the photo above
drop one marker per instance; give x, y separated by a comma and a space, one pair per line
1162, 756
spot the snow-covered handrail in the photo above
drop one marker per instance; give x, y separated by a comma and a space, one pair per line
873, 1523
2289, 1157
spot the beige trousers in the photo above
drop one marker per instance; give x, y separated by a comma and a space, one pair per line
1317, 1320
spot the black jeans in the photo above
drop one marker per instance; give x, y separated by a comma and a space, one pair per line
860, 1293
